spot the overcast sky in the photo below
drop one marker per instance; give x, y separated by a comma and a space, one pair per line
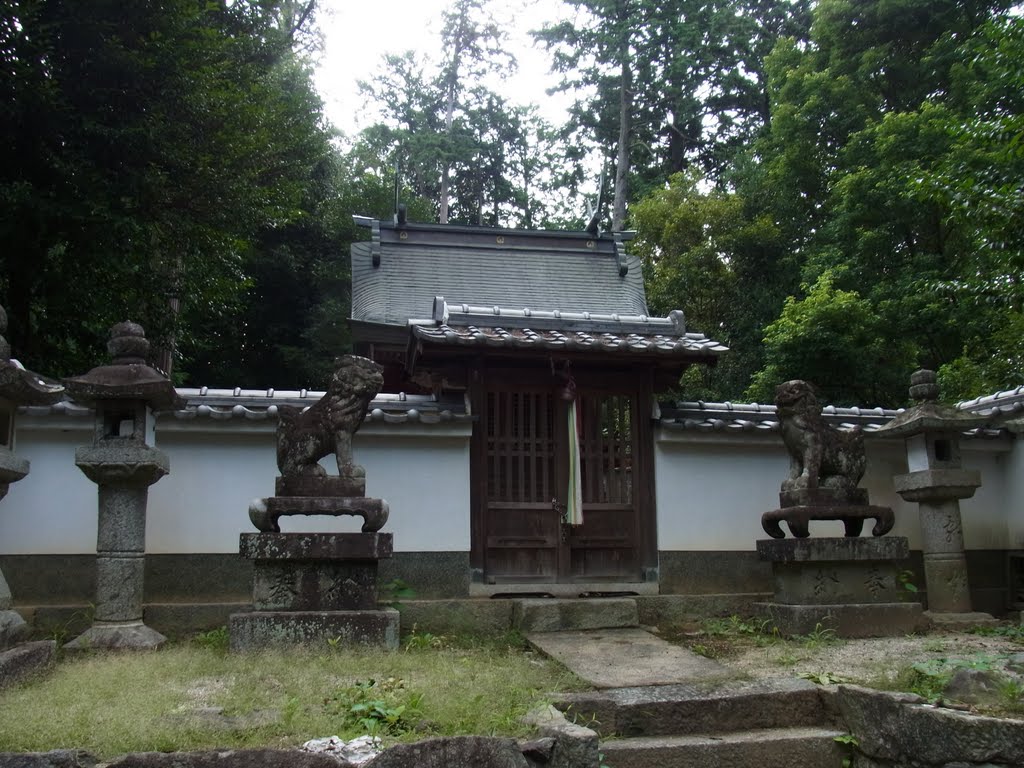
359, 32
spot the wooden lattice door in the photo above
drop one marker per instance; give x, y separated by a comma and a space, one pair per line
524, 464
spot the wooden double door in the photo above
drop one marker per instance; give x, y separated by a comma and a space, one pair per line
521, 475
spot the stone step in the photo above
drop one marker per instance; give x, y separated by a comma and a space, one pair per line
688, 709
795, 747
556, 615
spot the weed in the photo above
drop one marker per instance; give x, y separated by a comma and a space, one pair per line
1012, 632
424, 640
213, 640
819, 636
848, 743
823, 678
394, 591
377, 707
905, 579
708, 652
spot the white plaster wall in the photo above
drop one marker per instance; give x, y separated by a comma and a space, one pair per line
53, 509
713, 489
1013, 471
216, 469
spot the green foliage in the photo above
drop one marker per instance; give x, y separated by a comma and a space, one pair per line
214, 640
155, 150
377, 707
424, 640
1014, 632
392, 592
849, 743
823, 678
704, 254
835, 339
906, 581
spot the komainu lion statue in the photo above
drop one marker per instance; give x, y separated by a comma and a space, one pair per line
821, 457
305, 437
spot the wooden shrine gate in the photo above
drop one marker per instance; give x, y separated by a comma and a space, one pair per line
521, 472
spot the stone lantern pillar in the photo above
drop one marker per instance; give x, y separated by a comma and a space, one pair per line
937, 481
17, 387
123, 462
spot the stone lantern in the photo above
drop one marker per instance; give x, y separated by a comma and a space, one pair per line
17, 387
123, 462
937, 481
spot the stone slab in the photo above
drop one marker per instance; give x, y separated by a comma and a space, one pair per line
57, 758
937, 484
854, 620
960, 621
553, 615
117, 636
315, 546
13, 628
806, 747
900, 729
266, 629
25, 660
798, 519
618, 658
833, 548
264, 513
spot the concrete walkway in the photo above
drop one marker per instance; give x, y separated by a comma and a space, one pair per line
624, 658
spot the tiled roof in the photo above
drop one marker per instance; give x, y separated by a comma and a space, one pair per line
397, 275
748, 417
1008, 403
554, 330
526, 338
754, 417
261, 405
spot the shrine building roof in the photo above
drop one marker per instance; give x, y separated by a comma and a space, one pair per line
397, 275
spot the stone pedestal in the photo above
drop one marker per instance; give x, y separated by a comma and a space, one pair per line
123, 469
311, 588
123, 463
12, 626
849, 585
937, 493
937, 482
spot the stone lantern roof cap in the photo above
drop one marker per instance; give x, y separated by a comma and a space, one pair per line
128, 377
929, 415
21, 386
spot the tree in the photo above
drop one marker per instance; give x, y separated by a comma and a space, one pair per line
834, 339
151, 147
476, 157
861, 126
667, 86
703, 254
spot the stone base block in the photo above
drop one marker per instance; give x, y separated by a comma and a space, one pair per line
315, 546
835, 571
268, 629
117, 636
959, 621
25, 660
558, 615
851, 620
13, 628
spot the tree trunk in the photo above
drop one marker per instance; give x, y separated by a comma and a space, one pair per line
625, 132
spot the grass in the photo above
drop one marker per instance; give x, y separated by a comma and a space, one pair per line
194, 695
